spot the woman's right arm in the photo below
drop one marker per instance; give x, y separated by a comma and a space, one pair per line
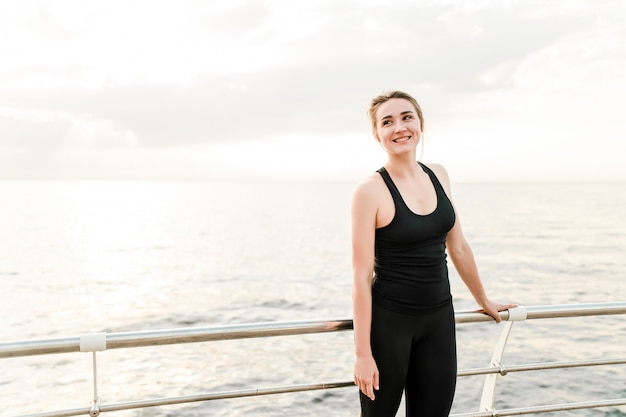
363, 219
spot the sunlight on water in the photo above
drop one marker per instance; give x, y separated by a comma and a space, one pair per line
115, 256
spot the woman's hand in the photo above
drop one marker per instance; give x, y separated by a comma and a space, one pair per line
491, 308
366, 375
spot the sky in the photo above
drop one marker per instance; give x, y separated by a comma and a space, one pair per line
527, 90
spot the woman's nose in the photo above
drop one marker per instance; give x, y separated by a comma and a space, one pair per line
400, 127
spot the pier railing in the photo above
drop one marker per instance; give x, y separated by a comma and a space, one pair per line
95, 342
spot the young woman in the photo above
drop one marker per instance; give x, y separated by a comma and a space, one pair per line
403, 224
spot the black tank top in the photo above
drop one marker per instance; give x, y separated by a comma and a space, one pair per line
410, 267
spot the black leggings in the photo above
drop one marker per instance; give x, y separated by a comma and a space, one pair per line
415, 354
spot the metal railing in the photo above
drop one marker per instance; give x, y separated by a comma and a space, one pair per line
94, 342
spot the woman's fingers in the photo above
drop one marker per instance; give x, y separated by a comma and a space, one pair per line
366, 376
369, 390
367, 386
493, 309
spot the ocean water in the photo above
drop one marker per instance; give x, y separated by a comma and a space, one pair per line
77, 257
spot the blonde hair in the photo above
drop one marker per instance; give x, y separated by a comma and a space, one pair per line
383, 98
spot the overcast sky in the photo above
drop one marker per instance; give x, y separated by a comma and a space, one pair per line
511, 90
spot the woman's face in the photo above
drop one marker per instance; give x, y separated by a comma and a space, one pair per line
398, 127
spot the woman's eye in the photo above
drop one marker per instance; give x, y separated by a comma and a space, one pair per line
408, 117
386, 122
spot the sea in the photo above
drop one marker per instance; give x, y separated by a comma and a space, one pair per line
98, 256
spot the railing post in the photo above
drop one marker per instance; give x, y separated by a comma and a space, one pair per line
489, 388
93, 342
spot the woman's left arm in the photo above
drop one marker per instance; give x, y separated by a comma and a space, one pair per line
463, 259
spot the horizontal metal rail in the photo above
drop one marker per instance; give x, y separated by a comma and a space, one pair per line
503, 370
156, 402
175, 336
243, 331
545, 408
193, 335
312, 387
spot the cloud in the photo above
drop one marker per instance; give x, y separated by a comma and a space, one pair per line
47, 25
333, 70
194, 73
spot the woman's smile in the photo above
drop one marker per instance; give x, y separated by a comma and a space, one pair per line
402, 139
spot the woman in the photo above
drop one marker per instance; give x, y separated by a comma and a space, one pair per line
403, 223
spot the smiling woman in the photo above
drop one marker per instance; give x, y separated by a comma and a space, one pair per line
404, 226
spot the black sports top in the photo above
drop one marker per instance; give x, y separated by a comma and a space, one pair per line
410, 268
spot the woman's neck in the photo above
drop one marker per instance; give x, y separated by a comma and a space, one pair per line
402, 166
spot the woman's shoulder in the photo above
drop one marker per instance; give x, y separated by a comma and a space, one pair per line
433, 166
442, 175
438, 169
369, 187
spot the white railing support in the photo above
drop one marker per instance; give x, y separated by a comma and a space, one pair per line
489, 388
94, 342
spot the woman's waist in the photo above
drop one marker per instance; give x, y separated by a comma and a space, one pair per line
416, 300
